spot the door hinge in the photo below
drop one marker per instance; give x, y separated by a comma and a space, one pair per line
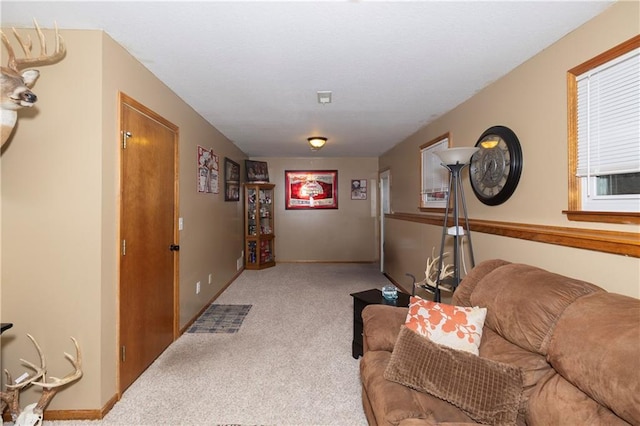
123, 353
125, 136
124, 247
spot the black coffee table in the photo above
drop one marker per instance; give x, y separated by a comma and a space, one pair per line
365, 298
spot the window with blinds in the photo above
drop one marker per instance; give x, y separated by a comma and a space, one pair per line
608, 134
435, 178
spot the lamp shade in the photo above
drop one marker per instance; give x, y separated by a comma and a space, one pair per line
456, 155
316, 142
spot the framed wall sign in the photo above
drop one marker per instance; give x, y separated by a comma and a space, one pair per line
359, 189
231, 180
208, 168
311, 189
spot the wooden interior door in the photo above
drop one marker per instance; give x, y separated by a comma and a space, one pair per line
148, 236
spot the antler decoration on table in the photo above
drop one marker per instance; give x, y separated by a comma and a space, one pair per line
16, 85
32, 414
430, 282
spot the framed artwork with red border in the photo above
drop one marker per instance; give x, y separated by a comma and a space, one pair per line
310, 189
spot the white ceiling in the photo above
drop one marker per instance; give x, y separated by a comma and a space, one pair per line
252, 68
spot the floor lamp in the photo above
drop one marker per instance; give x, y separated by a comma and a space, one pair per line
454, 159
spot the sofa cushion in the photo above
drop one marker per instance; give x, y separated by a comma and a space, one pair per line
524, 302
462, 295
488, 391
395, 404
458, 327
581, 350
555, 401
534, 366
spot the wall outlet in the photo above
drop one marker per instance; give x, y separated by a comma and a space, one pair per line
210, 278
198, 287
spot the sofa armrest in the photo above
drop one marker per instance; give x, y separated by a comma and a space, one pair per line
381, 326
416, 422
427, 422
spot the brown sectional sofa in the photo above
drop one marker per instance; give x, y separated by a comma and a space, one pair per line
577, 345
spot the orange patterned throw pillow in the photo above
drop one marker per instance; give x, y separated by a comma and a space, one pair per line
458, 327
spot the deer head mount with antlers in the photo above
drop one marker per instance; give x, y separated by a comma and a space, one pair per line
16, 84
31, 415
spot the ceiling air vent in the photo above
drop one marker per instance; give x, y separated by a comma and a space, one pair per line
324, 97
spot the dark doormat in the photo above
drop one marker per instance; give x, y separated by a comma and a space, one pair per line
220, 319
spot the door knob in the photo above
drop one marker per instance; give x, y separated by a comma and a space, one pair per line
174, 247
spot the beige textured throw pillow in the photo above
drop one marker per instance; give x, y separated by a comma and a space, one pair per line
487, 391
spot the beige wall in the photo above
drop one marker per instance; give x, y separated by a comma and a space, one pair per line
346, 234
531, 100
60, 185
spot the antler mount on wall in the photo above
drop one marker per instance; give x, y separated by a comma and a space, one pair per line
16, 81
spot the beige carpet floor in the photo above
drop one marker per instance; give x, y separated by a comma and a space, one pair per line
289, 364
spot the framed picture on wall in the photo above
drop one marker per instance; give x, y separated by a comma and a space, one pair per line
359, 189
311, 189
257, 171
434, 177
231, 180
208, 171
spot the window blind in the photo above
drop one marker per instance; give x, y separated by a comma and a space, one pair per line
609, 117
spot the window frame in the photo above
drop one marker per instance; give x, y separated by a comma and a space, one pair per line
575, 210
432, 206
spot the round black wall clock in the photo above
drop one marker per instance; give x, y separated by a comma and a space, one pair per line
495, 169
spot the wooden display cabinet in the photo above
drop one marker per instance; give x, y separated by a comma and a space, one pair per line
259, 245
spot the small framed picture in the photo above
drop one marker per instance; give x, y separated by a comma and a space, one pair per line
231, 180
359, 189
208, 171
257, 171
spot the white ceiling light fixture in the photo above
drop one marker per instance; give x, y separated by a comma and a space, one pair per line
316, 142
324, 97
